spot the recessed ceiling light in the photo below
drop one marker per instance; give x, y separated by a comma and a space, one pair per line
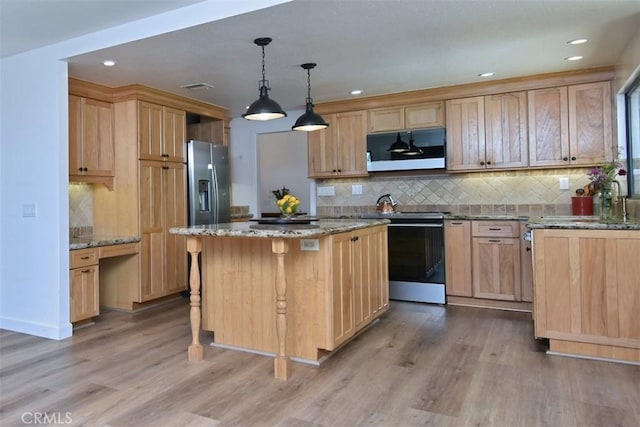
574, 58
109, 63
356, 92
577, 41
489, 74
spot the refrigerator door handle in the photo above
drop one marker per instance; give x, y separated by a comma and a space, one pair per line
214, 182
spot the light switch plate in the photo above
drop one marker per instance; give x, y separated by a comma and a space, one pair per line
326, 190
564, 182
29, 210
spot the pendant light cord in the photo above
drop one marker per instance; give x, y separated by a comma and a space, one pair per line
263, 73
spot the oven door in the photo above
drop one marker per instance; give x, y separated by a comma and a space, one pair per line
416, 261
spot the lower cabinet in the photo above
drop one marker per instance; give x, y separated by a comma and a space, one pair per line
587, 291
484, 261
337, 285
83, 284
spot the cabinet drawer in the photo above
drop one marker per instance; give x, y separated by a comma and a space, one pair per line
83, 257
495, 228
118, 250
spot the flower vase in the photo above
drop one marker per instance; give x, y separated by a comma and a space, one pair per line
606, 204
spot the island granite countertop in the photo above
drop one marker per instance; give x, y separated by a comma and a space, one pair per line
320, 227
83, 242
582, 222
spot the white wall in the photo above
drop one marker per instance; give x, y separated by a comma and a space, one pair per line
34, 252
244, 159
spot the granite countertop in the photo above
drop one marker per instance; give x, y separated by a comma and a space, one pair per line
83, 242
486, 217
582, 222
316, 228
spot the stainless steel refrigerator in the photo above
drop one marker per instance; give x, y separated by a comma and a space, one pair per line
209, 183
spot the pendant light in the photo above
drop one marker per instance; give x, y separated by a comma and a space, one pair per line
264, 108
399, 146
413, 149
309, 121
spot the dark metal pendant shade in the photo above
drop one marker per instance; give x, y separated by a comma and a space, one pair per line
309, 121
264, 108
413, 149
399, 146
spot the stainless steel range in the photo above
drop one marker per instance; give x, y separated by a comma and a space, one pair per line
416, 256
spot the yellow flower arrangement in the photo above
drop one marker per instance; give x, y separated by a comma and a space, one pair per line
288, 204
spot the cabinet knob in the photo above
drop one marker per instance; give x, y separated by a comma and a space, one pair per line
566, 159
165, 167
79, 169
481, 163
573, 158
489, 162
528, 249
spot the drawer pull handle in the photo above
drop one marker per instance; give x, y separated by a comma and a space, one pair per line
84, 257
456, 223
85, 271
494, 241
495, 229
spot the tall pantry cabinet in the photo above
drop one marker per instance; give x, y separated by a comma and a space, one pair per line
149, 198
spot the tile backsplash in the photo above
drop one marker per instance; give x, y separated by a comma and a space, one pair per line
80, 209
530, 192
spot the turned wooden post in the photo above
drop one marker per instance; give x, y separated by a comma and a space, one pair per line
194, 247
281, 362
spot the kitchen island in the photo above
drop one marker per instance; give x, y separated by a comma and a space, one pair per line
587, 286
291, 290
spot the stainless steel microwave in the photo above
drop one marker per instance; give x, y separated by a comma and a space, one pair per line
420, 149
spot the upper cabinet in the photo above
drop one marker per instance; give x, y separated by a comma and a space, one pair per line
340, 150
570, 125
91, 146
161, 132
420, 116
487, 132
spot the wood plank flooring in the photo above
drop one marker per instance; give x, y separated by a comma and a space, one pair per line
419, 365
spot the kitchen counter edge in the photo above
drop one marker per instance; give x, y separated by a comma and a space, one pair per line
245, 229
84, 242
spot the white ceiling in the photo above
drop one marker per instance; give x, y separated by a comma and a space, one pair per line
379, 46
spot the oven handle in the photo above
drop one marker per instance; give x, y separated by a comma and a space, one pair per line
416, 225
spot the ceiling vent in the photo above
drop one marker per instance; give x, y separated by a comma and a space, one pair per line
197, 86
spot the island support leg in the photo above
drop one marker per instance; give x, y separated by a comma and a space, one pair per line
281, 362
195, 351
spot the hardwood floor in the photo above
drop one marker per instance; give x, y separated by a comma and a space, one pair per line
419, 365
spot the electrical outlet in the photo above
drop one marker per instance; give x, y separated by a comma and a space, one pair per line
563, 182
309, 245
356, 189
326, 190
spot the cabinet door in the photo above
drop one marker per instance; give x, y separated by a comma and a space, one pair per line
506, 130
465, 134
150, 131
351, 139
370, 275
386, 119
97, 138
174, 134
548, 127
590, 130
496, 268
75, 135
424, 116
586, 286
342, 291
152, 233
84, 293
322, 149
457, 249
175, 215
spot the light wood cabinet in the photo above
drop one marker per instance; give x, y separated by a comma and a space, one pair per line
487, 132
83, 284
341, 149
342, 289
506, 143
571, 125
421, 116
457, 249
91, 144
162, 206
216, 131
465, 134
162, 132
586, 291
150, 198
